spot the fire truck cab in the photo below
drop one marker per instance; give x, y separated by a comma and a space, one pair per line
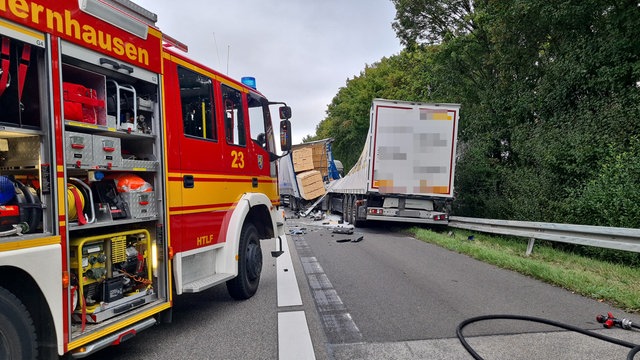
128, 174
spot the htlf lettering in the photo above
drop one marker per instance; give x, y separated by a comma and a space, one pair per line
204, 240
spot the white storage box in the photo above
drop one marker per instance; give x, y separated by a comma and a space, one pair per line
141, 204
78, 150
107, 152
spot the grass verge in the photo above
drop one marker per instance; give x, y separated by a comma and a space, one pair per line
615, 284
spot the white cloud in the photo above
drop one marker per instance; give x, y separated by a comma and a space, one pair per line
299, 51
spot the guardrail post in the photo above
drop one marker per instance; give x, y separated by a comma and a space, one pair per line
530, 246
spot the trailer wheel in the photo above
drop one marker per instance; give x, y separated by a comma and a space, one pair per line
347, 211
350, 209
354, 213
352, 204
344, 208
17, 333
246, 283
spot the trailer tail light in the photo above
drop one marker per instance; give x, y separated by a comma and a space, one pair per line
440, 217
375, 211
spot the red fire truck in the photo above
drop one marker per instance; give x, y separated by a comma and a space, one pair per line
128, 174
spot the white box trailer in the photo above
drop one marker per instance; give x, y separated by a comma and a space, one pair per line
406, 169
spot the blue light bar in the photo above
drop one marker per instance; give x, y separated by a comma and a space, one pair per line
249, 81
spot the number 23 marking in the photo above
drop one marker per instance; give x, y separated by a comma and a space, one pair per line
238, 159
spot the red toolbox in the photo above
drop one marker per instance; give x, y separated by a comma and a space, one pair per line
81, 103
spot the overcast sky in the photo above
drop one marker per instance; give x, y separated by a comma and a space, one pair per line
300, 51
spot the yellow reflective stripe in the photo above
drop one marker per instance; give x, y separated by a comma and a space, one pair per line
26, 244
20, 29
205, 72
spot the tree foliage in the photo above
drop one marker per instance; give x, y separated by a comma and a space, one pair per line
431, 21
550, 103
347, 118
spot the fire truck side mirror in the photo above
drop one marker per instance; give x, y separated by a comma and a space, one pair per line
285, 134
285, 112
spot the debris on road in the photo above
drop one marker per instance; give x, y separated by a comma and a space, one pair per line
317, 216
343, 229
357, 238
297, 231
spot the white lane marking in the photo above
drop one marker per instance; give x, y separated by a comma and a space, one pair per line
337, 321
287, 284
294, 340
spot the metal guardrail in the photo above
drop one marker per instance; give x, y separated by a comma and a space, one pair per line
599, 236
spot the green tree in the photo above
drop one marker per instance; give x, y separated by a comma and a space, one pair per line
403, 76
549, 94
432, 21
546, 88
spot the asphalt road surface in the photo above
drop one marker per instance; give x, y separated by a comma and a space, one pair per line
388, 296
211, 325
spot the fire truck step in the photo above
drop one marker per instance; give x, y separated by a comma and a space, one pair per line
113, 339
203, 284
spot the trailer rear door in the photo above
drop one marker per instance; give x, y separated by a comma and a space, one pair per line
413, 148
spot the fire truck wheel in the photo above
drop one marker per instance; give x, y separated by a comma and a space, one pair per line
17, 332
246, 283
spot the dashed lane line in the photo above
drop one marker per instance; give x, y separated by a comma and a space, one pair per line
294, 339
287, 284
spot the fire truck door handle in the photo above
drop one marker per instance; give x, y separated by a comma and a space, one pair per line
188, 181
111, 63
126, 68
254, 182
115, 66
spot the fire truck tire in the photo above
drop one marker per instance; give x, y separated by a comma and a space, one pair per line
18, 338
246, 283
